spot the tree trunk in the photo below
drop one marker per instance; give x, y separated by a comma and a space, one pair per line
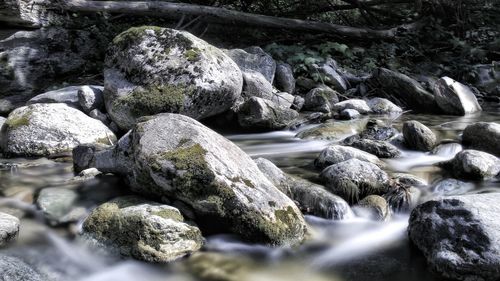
222, 15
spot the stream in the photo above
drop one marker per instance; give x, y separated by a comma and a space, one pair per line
352, 249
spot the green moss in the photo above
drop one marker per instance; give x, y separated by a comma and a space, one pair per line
169, 214
132, 34
155, 99
192, 55
192, 157
18, 121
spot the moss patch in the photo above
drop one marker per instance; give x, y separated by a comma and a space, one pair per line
18, 121
125, 38
192, 55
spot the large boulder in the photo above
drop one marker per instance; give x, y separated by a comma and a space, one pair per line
454, 97
144, 230
459, 235
150, 70
354, 179
284, 79
9, 228
419, 137
334, 154
321, 99
256, 85
473, 164
261, 114
311, 198
12, 268
254, 59
50, 129
172, 156
30, 61
483, 136
404, 91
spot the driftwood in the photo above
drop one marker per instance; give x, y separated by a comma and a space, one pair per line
225, 16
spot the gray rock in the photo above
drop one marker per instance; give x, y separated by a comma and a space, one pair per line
402, 198
254, 59
378, 130
409, 179
483, 136
142, 229
378, 148
349, 114
2, 121
331, 77
298, 103
50, 129
12, 268
90, 98
383, 106
459, 235
173, 156
67, 95
333, 130
487, 76
261, 114
9, 229
59, 205
448, 187
334, 154
360, 105
404, 91
374, 207
151, 70
354, 179
283, 99
321, 99
417, 136
311, 198
98, 115
35, 60
454, 97
472, 164
256, 85
306, 84
284, 79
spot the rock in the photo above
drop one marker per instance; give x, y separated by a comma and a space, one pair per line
448, 187
173, 156
284, 79
360, 105
311, 198
349, 114
374, 207
472, 164
2, 121
377, 130
459, 235
383, 106
404, 91
261, 114
142, 229
67, 95
321, 99
90, 98
283, 99
417, 136
12, 268
254, 59
486, 76
298, 103
59, 205
98, 115
333, 130
35, 60
331, 77
151, 70
454, 97
50, 129
402, 198
334, 154
256, 85
9, 229
483, 136
408, 179
354, 179
306, 84
378, 148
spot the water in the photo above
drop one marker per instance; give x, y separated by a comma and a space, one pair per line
352, 249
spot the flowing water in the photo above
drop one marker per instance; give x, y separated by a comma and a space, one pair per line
351, 249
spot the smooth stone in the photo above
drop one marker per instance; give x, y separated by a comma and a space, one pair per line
378, 148
260, 114
448, 187
419, 137
59, 205
9, 229
374, 207
483, 136
321, 99
454, 97
256, 85
90, 98
333, 130
67, 95
284, 79
331, 77
334, 154
357, 104
383, 106
472, 164
349, 114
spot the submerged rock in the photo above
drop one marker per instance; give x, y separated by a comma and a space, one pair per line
454, 97
349, 114
459, 235
333, 130
311, 198
483, 136
359, 105
378, 130
50, 129
472, 164
402, 197
142, 229
254, 59
354, 179
383, 106
417, 136
334, 154
374, 207
284, 79
9, 229
261, 114
173, 156
59, 205
378, 148
321, 99
151, 70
